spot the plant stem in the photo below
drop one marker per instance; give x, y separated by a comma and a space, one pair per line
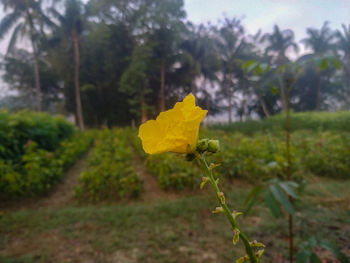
228, 213
289, 171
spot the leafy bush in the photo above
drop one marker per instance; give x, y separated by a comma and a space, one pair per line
19, 128
110, 173
39, 169
263, 156
173, 171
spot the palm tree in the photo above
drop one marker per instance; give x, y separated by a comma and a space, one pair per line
234, 50
320, 42
343, 44
71, 28
26, 19
279, 42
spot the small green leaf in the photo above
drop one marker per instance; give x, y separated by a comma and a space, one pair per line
272, 204
288, 189
323, 64
235, 236
282, 198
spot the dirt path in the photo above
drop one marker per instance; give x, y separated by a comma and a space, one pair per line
63, 193
152, 191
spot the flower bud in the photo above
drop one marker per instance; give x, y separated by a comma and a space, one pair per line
213, 146
202, 145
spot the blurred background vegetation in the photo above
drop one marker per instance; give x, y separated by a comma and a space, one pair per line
120, 62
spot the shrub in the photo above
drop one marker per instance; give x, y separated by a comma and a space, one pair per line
110, 173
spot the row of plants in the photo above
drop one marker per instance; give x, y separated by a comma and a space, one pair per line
172, 171
258, 158
263, 156
110, 172
39, 169
315, 121
17, 129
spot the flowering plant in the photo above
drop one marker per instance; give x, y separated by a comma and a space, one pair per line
176, 130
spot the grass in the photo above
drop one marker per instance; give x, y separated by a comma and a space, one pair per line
181, 230
315, 121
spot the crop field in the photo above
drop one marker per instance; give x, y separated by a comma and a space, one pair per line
96, 196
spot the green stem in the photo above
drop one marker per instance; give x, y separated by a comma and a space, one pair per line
228, 213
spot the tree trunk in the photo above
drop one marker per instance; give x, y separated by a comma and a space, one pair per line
37, 80
76, 81
36, 63
143, 104
263, 105
319, 95
229, 97
162, 86
194, 87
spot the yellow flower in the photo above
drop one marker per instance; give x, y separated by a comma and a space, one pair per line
175, 130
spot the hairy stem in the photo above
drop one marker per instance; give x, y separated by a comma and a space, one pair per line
228, 213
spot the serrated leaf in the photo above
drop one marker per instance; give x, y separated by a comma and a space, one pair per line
282, 198
272, 204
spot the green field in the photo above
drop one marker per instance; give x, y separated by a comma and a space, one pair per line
112, 203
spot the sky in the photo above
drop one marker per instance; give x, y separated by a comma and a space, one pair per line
263, 14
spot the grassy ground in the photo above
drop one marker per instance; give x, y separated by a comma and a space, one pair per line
180, 229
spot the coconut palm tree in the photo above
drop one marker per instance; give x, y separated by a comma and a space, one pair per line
25, 19
343, 44
278, 43
71, 25
320, 42
233, 50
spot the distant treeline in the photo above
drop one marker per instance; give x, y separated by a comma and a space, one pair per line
110, 62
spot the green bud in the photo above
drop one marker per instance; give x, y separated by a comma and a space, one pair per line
213, 146
235, 236
202, 145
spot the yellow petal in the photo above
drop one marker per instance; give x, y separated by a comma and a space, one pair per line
175, 130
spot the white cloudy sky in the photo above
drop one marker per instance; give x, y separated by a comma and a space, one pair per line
256, 14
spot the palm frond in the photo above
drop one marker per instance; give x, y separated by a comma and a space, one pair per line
7, 23
14, 38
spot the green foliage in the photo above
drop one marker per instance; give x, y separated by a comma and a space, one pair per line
16, 130
173, 171
110, 173
263, 156
40, 169
276, 195
316, 121
306, 253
